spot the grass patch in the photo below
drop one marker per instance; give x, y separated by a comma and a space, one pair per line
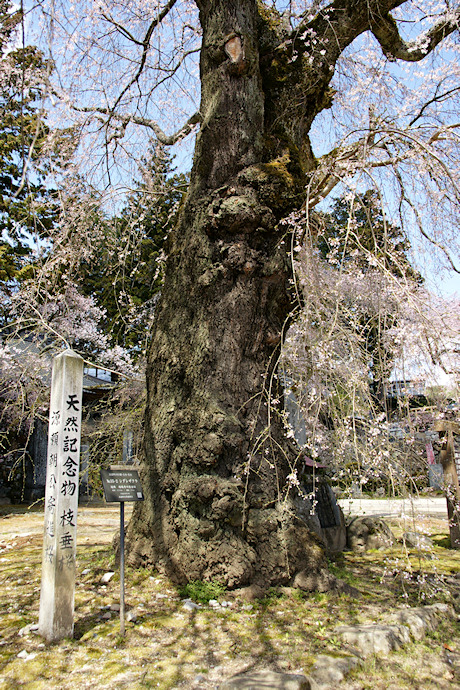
202, 592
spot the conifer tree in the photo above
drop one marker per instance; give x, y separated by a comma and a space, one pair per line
28, 205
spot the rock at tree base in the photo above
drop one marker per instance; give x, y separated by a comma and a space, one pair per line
367, 532
424, 619
375, 639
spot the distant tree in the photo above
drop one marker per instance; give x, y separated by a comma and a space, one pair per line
357, 237
28, 204
357, 230
124, 272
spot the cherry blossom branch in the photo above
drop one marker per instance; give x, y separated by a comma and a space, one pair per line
94, 365
436, 99
356, 156
428, 150
422, 230
386, 32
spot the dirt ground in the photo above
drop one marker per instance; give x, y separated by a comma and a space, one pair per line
97, 522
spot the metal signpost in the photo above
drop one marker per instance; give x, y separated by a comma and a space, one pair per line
122, 484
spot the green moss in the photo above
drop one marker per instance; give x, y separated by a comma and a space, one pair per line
269, 16
278, 168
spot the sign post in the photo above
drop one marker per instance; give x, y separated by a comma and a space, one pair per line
61, 498
122, 484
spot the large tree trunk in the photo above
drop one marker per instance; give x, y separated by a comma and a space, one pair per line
218, 502
217, 505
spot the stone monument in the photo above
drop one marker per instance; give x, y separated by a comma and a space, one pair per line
61, 498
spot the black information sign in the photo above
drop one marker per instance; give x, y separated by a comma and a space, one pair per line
121, 485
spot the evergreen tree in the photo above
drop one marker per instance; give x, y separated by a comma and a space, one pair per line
125, 272
27, 205
359, 232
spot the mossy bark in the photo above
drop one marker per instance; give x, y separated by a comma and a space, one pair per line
217, 504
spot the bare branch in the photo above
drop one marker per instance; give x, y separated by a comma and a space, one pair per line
145, 47
438, 98
124, 120
386, 32
122, 30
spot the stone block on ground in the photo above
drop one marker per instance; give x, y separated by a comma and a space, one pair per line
26, 630
105, 579
335, 538
423, 619
415, 540
374, 638
330, 670
265, 679
190, 605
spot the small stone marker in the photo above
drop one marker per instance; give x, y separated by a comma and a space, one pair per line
61, 498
